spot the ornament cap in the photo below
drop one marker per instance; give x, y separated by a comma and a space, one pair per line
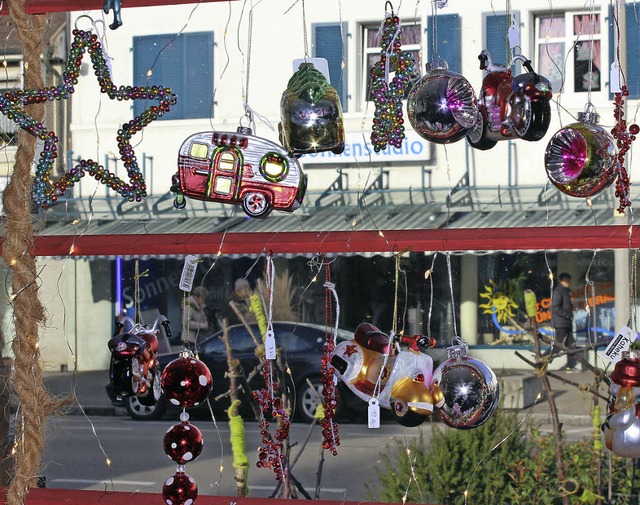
245, 130
632, 354
459, 350
436, 65
185, 353
589, 117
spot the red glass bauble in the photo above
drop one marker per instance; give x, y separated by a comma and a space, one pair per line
179, 489
186, 381
183, 442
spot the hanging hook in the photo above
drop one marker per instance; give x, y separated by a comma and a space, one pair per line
116, 5
390, 7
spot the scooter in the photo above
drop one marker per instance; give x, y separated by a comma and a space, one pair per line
394, 370
510, 107
133, 370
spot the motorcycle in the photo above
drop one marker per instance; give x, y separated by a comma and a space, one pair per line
510, 107
133, 369
394, 370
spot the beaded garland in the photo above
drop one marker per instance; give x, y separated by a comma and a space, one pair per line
45, 192
388, 121
623, 141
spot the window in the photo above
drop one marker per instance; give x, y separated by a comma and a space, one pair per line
447, 40
273, 167
411, 38
200, 151
330, 42
184, 64
569, 45
633, 47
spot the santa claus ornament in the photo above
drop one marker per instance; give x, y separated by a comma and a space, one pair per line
186, 382
622, 426
470, 389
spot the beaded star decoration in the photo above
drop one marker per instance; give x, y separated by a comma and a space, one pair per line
12, 103
388, 122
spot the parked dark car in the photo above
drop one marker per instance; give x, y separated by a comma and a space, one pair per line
302, 344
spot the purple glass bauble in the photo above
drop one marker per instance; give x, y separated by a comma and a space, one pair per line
470, 389
179, 489
183, 442
442, 105
580, 159
186, 381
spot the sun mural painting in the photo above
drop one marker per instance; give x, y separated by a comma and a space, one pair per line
498, 302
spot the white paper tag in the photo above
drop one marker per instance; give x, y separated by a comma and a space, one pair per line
188, 272
620, 343
374, 413
614, 78
270, 345
514, 33
321, 65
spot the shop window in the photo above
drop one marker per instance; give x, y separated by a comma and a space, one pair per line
569, 50
446, 43
632, 45
184, 64
411, 41
330, 42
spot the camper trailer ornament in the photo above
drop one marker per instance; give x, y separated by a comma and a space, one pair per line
311, 114
241, 169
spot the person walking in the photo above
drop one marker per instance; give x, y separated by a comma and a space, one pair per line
562, 318
194, 319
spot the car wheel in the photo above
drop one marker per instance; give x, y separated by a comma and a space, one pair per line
308, 399
141, 412
256, 204
477, 137
405, 416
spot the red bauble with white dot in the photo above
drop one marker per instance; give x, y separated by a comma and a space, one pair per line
179, 489
183, 441
186, 381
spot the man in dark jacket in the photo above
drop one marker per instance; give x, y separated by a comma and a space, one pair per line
562, 317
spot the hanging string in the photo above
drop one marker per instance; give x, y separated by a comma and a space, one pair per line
136, 291
304, 30
394, 326
434, 31
507, 45
592, 14
429, 275
453, 302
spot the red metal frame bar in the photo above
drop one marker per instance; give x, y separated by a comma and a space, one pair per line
44, 6
485, 239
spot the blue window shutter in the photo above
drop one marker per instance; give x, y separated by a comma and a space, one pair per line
329, 43
495, 32
449, 40
184, 64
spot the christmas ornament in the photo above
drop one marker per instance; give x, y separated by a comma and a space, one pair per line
387, 95
510, 107
45, 190
240, 169
470, 389
179, 489
133, 368
372, 367
622, 426
581, 158
442, 106
186, 381
623, 141
311, 114
183, 442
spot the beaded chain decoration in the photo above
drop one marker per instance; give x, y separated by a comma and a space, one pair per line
623, 141
12, 103
330, 435
388, 122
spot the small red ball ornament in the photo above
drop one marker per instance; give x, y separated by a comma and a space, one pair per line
179, 489
183, 442
186, 381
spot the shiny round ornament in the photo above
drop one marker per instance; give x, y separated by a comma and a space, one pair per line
470, 389
183, 442
580, 159
179, 489
442, 105
186, 381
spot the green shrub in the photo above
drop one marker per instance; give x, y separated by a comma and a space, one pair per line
520, 470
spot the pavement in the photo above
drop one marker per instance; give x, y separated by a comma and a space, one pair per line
574, 403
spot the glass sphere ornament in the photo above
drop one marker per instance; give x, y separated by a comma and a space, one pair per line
183, 441
310, 114
186, 381
179, 489
622, 425
470, 389
442, 105
580, 159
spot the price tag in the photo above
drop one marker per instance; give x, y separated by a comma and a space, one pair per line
188, 272
614, 78
514, 33
320, 64
619, 344
270, 345
374, 413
